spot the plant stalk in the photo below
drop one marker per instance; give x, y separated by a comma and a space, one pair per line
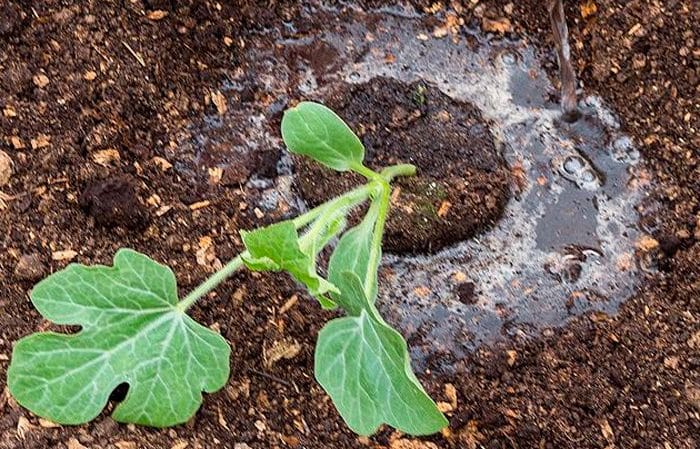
347, 200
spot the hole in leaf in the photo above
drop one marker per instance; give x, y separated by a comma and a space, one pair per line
119, 393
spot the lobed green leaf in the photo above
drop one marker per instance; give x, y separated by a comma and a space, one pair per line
132, 332
314, 130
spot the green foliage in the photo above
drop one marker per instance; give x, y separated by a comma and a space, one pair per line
135, 331
277, 248
131, 332
315, 131
363, 365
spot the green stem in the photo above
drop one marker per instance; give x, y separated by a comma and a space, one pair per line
348, 199
345, 201
395, 171
211, 283
375, 253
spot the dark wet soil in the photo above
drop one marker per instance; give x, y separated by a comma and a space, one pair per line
79, 78
462, 184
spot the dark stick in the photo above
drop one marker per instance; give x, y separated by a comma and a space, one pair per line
567, 74
270, 377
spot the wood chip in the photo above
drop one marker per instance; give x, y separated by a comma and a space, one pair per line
162, 163
588, 8
289, 304
404, 443
23, 427
41, 141
606, 430
74, 444
67, 254
163, 210
219, 101
444, 209
421, 291
512, 356
215, 175
180, 445
200, 205
45, 423
90, 75
16, 143
126, 444
106, 157
9, 111
40, 80
6, 168
501, 25
451, 394
280, 349
647, 244
158, 14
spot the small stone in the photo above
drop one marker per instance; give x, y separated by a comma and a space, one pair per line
30, 267
5, 168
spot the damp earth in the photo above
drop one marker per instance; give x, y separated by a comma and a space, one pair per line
566, 316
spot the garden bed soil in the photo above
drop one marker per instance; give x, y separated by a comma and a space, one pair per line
95, 97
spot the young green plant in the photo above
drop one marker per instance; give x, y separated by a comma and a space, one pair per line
135, 330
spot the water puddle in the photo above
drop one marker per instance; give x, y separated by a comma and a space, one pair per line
566, 242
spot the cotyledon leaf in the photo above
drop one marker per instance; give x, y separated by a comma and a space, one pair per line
277, 248
132, 332
363, 364
316, 131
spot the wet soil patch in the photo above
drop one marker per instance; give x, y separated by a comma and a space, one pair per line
462, 183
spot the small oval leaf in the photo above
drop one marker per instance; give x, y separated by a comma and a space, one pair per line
313, 130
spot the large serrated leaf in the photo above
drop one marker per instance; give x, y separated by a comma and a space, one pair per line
314, 130
132, 332
277, 248
363, 364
